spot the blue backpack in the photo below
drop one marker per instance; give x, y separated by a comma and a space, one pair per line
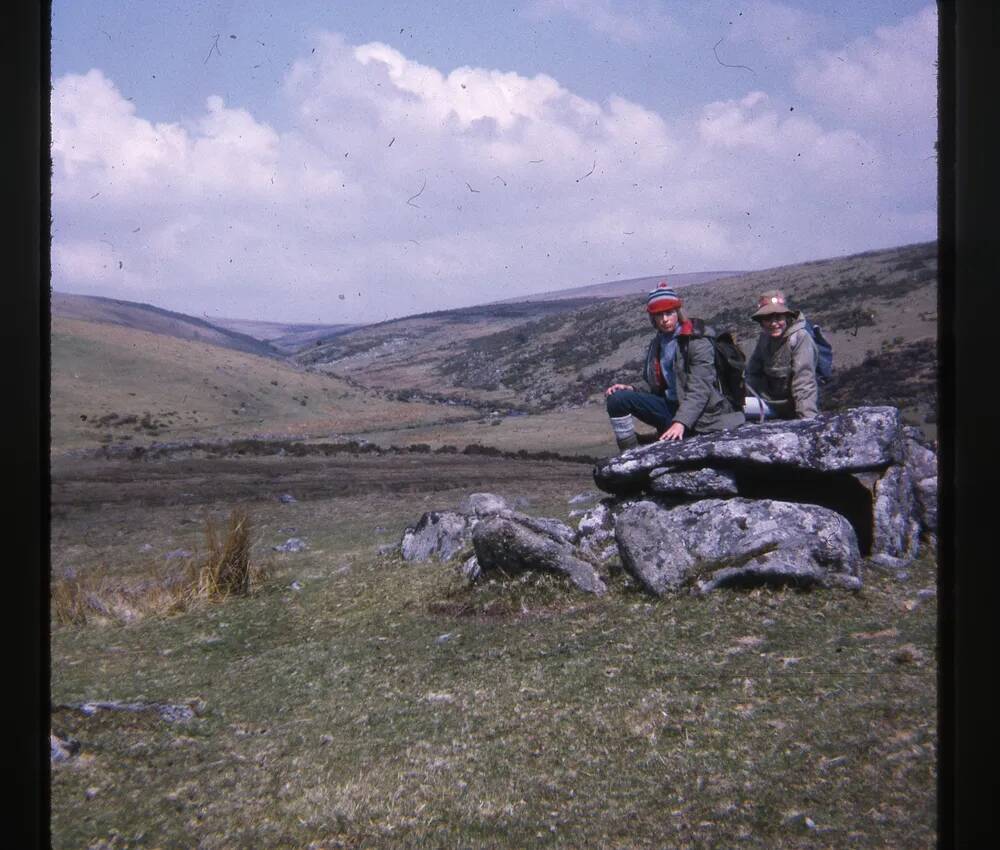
824, 365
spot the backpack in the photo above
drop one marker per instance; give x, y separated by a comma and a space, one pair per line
824, 365
730, 362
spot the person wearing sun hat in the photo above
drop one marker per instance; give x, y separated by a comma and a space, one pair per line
680, 370
781, 370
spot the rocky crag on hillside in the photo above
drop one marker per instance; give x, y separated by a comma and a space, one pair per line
807, 503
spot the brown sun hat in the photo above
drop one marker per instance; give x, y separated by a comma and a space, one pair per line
772, 303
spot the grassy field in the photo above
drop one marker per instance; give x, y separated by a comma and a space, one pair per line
358, 701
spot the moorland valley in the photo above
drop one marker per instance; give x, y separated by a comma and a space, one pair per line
358, 699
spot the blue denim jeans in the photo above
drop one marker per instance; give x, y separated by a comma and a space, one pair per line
650, 408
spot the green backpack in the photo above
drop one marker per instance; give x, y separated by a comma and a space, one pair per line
730, 362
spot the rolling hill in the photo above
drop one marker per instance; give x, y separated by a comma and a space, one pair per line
878, 308
631, 286
115, 384
146, 317
287, 338
129, 372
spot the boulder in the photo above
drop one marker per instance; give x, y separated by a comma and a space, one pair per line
696, 484
921, 462
595, 533
482, 504
925, 492
507, 545
895, 529
438, 535
715, 542
292, 544
543, 525
858, 439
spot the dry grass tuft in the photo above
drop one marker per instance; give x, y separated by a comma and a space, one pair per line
97, 597
226, 570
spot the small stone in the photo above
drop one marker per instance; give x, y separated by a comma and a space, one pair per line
296, 585
292, 544
470, 569
287, 499
91, 792
62, 749
439, 697
908, 654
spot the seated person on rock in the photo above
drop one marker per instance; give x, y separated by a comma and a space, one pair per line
680, 371
781, 372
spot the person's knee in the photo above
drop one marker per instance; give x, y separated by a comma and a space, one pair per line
618, 404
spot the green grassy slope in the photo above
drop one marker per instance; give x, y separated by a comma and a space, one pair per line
359, 701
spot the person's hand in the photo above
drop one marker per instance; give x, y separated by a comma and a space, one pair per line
674, 432
615, 387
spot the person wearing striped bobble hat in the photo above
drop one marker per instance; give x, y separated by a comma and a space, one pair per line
684, 396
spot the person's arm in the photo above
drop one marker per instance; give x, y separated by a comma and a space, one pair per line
754, 373
805, 391
700, 370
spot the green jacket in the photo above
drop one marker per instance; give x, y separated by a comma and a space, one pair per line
701, 407
782, 371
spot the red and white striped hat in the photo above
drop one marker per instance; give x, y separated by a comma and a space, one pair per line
662, 298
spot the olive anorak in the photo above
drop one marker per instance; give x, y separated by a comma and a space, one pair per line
782, 371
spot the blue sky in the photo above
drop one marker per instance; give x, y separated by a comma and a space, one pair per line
355, 162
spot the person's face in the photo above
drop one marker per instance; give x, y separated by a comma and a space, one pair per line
666, 321
774, 325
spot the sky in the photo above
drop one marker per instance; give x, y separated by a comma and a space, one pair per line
354, 162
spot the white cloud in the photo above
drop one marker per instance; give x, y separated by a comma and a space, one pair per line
887, 79
404, 189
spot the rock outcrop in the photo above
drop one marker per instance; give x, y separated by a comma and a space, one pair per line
862, 464
713, 543
860, 439
438, 535
505, 542
508, 544
806, 503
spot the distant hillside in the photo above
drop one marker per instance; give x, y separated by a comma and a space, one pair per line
114, 384
878, 308
287, 338
146, 317
615, 288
